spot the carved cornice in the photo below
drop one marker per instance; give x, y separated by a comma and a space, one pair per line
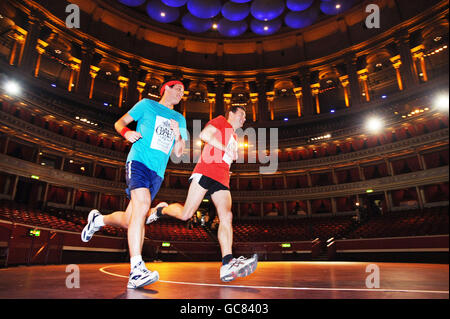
20, 167
59, 142
436, 138
431, 176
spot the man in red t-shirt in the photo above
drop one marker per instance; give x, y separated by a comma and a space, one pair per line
211, 177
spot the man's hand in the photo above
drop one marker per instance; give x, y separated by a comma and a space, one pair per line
174, 126
132, 136
232, 152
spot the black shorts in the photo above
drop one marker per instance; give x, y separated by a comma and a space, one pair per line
208, 183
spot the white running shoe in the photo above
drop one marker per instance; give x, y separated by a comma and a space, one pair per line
140, 276
153, 216
90, 229
238, 267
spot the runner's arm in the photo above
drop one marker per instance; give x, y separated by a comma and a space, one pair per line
121, 124
207, 136
178, 148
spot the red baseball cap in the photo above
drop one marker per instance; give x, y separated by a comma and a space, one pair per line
170, 83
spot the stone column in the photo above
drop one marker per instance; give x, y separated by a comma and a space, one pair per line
17, 49
305, 79
30, 54
140, 88
254, 101
388, 199
132, 93
363, 75
270, 101
219, 106
344, 82
355, 92
93, 73
419, 60
315, 89
396, 63
212, 101
410, 80
333, 206
74, 73
123, 83
40, 48
262, 98
84, 79
299, 96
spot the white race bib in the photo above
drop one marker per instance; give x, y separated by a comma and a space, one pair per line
163, 136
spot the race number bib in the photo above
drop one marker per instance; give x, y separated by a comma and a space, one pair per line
163, 136
232, 147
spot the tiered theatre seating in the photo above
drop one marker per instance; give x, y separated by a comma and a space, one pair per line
33, 217
291, 230
407, 223
170, 229
431, 221
64, 221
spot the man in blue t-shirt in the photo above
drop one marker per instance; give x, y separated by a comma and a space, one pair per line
159, 131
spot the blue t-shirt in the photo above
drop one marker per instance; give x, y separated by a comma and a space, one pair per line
156, 144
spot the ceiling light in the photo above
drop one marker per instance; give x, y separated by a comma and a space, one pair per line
374, 124
12, 88
441, 102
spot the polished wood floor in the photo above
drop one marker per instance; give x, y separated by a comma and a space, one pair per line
200, 280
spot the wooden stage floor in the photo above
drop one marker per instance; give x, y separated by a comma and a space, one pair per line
200, 280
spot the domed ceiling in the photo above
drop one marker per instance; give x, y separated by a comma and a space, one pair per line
238, 18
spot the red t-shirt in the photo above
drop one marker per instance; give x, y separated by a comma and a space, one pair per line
213, 162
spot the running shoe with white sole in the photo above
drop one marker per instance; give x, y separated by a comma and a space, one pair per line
238, 267
140, 276
90, 229
154, 215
